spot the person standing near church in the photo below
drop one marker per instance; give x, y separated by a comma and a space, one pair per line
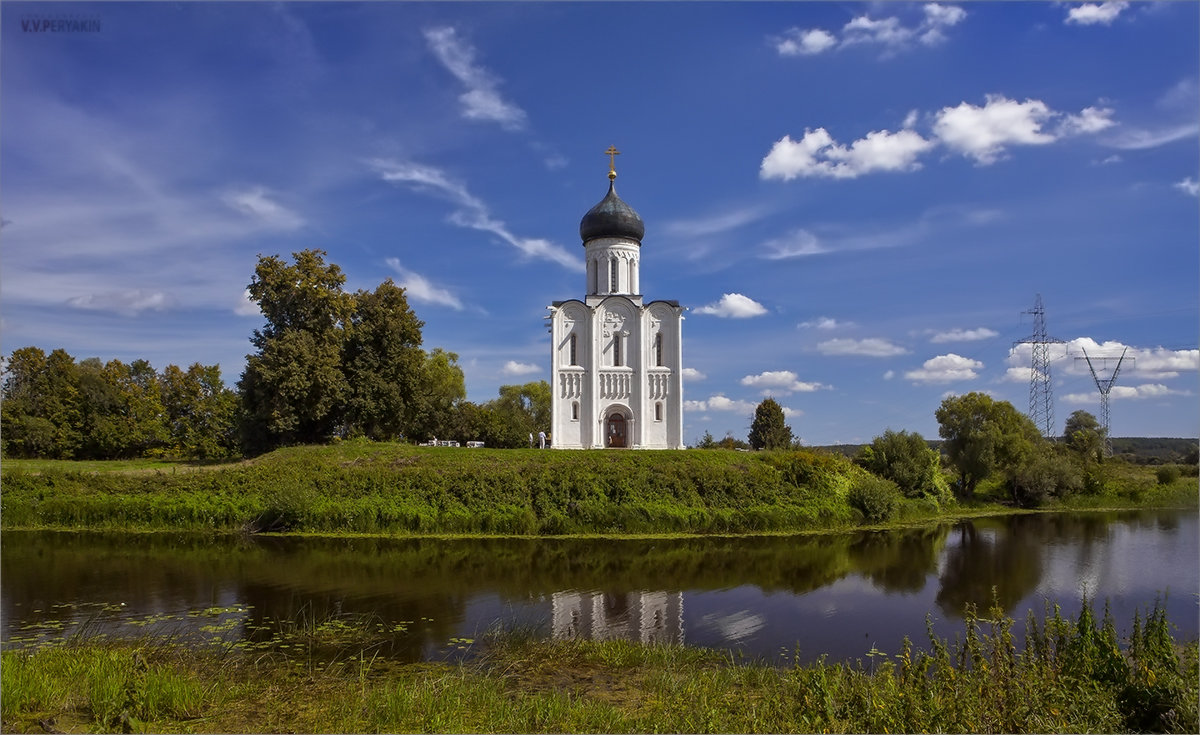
531, 440
541, 440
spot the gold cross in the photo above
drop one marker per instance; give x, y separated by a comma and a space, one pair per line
612, 153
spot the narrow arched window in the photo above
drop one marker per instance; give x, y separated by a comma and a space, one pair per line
614, 273
575, 411
573, 351
658, 349
658, 411
617, 349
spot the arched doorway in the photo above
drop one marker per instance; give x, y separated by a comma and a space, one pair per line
615, 431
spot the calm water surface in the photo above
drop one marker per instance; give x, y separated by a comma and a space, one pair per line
839, 595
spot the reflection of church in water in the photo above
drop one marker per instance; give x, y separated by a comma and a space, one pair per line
648, 617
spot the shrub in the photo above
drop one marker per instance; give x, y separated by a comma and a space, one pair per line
1167, 474
1042, 476
875, 497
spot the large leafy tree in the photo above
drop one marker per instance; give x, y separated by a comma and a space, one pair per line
907, 460
1085, 436
200, 412
40, 416
769, 430
982, 436
294, 389
384, 364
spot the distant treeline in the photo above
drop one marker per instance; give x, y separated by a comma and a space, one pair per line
1136, 450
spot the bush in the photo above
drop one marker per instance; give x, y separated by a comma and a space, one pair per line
875, 497
1167, 474
1042, 476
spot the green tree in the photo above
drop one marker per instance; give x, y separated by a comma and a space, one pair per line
294, 390
982, 436
200, 412
40, 414
385, 367
440, 386
520, 410
1085, 436
769, 429
907, 460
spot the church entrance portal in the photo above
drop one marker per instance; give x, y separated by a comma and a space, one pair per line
616, 431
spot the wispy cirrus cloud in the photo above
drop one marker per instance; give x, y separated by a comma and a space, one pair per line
482, 99
964, 335
470, 211
257, 202
869, 347
716, 224
420, 289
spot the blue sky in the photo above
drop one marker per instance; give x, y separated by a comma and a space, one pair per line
856, 201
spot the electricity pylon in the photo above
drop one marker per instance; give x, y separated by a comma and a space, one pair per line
1105, 385
1041, 400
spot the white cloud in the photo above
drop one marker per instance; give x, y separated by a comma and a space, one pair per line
946, 369
471, 213
719, 402
807, 42
481, 100
889, 375
796, 244
825, 323
890, 33
257, 203
964, 335
1136, 139
692, 374
1093, 13
982, 132
246, 307
418, 288
818, 154
715, 225
512, 367
1089, 120
780, 382
1150, 362
129, 302
870, 347
1128, 392
1188, 186
734, 306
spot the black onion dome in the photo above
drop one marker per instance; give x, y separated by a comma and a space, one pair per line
612, 217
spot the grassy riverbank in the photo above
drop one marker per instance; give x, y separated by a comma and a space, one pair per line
1071, 676
380, 488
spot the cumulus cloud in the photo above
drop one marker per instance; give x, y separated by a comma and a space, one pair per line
780, 382
982, 133
512, 367
420, 289
129, 302
481, 100
890, 32
1128, 392
470, 211
734, 306
719, 402
1150, 362
818, 154
246, 307
870, 347
964, 335
1188, 186
1095, 13
256, 202
692, 374
946, 369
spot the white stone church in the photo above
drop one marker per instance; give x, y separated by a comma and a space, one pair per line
616, 361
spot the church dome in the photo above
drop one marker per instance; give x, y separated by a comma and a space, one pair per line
612, 217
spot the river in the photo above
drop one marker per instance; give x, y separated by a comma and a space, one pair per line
778, 598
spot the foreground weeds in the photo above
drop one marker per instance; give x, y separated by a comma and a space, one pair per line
1070, 676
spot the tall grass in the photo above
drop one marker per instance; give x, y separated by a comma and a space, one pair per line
1070, 676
